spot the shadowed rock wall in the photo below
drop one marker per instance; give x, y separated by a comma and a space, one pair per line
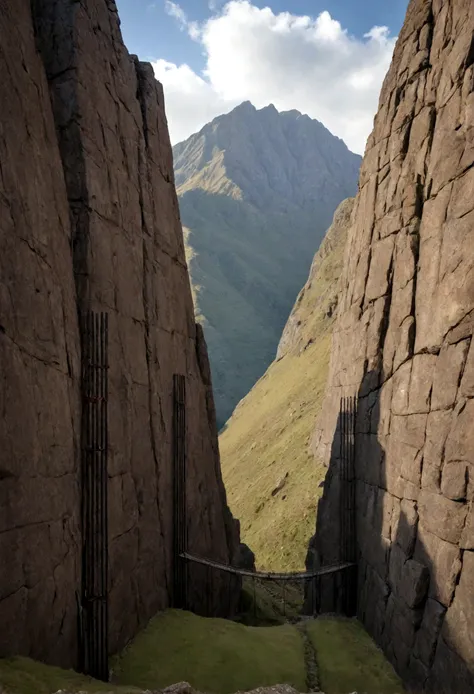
90, 220
403, 343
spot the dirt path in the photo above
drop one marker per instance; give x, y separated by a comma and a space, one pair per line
310, 660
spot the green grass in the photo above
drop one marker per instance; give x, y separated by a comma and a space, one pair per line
25, 676
217, 656
269, 603
269, 434
213, 655
349, 661
267, 438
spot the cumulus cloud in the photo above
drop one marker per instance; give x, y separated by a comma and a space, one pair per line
298, 62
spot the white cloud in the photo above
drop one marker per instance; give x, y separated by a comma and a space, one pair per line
191, 102
174, 10
295, 62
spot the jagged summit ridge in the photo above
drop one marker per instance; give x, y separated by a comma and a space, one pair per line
258, 190
263, 152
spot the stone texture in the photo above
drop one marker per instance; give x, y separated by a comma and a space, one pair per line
444, 561
410, 246
428, 634
89, 219
449, 369
437, 431
457, 628
415, 581
467, 537
441, 516
39, 361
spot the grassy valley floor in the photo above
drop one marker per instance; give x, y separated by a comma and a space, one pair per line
220, 657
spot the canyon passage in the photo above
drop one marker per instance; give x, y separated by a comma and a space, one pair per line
349, 464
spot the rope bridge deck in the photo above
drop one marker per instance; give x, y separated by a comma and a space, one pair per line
323, 571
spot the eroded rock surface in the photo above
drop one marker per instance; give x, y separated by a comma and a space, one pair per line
403, 345
89, 220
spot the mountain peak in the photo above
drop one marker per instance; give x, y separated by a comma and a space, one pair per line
244, 107
297, 114
257, 190
270, 108
267, 157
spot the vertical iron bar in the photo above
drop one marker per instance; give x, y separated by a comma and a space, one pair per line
104, 497
100, 373
254, 598
340, 599
85, 485
94, 497
185, 498
97, 480
179, 491
176, 489
347, 577
106, 483
94, 637
90, 539
97, 528
341, 508
105, 633
208, 592
353, 572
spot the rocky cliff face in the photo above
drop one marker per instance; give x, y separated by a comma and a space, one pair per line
89, 221
257, 190
403, 345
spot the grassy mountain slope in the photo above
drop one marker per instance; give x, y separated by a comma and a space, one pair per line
265, 443
257, 191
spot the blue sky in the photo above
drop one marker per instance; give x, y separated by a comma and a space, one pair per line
151, 33
191, 46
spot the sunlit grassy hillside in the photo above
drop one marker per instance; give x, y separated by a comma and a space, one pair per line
265, 444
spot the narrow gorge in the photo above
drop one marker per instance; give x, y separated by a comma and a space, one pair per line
90, 197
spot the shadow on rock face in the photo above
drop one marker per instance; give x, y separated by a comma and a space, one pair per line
411, 595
